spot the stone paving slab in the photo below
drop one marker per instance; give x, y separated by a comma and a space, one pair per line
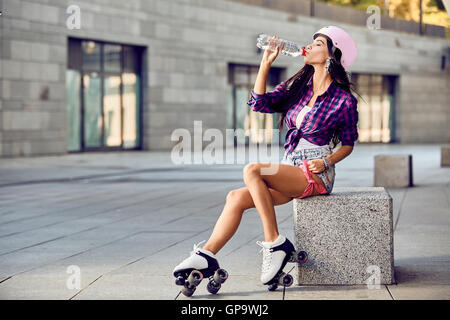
126, 219
420, 292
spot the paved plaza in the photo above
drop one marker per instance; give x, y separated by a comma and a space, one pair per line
123, 220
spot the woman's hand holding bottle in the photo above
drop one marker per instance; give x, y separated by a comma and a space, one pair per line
272, 52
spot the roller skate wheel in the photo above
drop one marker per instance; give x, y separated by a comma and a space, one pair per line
220, 276
213, 287
286, 280
195, 278
179, 281
302, 257
188, 291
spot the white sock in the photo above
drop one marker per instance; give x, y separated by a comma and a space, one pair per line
278, 240
209, 253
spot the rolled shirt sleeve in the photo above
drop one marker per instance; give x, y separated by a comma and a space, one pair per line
263, 102
348, 132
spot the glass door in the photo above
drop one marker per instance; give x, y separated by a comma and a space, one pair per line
112, 104
376, 108
111, 111
103, 96
92, 119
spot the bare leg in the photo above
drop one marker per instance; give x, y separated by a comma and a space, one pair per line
287, 183
225, 227
289, 180
237, 202
263, 201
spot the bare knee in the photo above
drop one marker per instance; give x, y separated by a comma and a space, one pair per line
238, 198
234, 197
250, 170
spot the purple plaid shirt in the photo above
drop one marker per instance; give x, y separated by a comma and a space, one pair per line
335, 109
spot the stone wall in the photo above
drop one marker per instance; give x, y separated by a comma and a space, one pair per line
189, 45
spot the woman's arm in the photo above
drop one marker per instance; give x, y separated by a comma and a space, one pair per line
339, 154
260, 100
268, 58
261, 78
348, 132
263, 102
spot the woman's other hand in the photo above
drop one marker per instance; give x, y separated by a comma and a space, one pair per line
316, 165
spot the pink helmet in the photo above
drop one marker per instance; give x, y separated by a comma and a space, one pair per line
341, 40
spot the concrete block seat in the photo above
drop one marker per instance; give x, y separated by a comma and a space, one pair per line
445, 156
348, 236
393, 170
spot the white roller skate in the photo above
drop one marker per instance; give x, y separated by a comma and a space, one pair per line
200, 264
275, 257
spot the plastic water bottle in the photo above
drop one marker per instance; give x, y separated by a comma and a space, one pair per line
290, 48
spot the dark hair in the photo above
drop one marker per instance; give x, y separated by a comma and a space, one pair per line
297, 85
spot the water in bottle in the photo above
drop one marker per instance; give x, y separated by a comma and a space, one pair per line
290, 48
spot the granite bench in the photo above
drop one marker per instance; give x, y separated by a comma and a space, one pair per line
348, 236
394, 171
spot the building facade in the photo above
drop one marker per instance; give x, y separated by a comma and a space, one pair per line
137, 70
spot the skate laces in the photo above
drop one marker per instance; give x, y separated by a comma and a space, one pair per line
267, 257
197, 246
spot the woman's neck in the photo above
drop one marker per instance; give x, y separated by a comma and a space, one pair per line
321, 80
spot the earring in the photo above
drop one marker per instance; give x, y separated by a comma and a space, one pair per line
328, 64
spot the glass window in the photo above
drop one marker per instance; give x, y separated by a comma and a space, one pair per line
131, 101
92, 111
375, 106
91, 55
111, 111
131, 60
103, 95
240, 76
112, 57
73, 94
241, 82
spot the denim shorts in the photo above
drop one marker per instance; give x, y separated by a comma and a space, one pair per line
295, 158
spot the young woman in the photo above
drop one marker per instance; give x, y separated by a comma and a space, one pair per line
319, 109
